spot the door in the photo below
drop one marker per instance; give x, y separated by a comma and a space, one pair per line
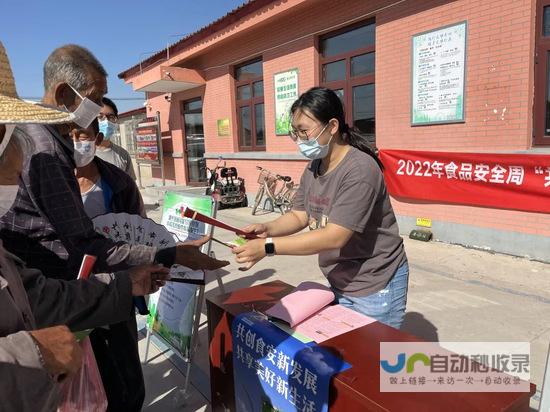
194, 142
542, 74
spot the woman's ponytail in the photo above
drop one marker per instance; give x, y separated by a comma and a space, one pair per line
355, 138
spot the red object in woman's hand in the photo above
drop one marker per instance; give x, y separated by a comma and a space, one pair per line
191, 214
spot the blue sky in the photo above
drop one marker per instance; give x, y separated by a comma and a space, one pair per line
117, 32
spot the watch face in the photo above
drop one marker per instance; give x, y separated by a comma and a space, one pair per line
269, 248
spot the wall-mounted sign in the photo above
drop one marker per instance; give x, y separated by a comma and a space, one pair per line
147, 142
438, 72
286, 93
224, 127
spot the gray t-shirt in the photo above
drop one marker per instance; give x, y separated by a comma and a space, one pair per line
117, 156
354, 196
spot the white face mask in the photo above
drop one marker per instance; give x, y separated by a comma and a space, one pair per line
86, 111
84, 152
312, 149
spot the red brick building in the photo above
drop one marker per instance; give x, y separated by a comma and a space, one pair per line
362, 48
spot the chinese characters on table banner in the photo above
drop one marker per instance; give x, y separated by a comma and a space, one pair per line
505, 181
454, 366
275, 372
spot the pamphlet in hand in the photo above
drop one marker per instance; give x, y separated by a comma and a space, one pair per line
182, 274
308, 311
231, 244
88, 262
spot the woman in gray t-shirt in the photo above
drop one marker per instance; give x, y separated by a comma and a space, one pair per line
343, 199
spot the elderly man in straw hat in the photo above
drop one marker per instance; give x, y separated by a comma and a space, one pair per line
34, 354
48, 227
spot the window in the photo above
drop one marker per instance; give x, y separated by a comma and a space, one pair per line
542, 75
250, 105
347, 67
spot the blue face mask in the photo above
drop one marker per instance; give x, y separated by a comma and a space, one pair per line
312, 149
107, 128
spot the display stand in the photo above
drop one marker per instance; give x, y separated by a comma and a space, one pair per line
199, 298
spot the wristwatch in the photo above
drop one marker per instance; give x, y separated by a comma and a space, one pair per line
269, 247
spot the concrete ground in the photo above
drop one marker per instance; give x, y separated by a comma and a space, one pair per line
455, 294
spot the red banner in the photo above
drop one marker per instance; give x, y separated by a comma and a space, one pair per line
503, 181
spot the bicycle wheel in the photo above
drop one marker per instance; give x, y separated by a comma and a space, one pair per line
258, 199
270, 192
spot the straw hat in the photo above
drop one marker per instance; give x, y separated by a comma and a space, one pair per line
15, 110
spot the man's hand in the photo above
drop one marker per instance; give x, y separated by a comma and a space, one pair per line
147, 279
189, 254
197, 243
259, 229
60, 350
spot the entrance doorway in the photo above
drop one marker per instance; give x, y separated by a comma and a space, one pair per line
194, 137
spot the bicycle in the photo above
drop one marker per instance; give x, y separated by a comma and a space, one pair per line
280, 191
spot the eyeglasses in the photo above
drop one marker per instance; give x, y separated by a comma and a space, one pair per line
111, 117
304, 135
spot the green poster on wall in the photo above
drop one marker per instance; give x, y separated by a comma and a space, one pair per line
438, 75
171, 309
286, 93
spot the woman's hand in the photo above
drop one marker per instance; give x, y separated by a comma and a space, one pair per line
259, 229
250, 253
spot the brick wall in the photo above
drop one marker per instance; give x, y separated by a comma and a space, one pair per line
499, 87
499, 73
219, 103
499, 95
